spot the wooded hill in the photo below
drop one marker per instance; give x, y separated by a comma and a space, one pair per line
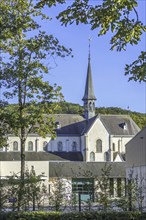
71, 108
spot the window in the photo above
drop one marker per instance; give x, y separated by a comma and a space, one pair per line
113, 147
60, 146
90, 106
30, 146
45, 144
84, 187
119, 187
111, 184
1, 149
106, 156
119, 145
74, 146
92, 156
99, 146
15, 146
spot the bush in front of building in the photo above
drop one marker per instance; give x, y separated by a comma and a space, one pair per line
72, 216
37, 215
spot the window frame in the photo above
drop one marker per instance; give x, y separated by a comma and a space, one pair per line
99, 146
92, 156
15, 147
74, 146
59, 146
30, 148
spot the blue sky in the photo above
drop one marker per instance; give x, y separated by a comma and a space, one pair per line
111, 86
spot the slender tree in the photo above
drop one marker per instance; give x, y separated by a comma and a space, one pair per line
24, 58
102, 187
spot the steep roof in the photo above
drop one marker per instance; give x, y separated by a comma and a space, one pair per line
70, 124
85, 169
89, 92
115, 124
42, 156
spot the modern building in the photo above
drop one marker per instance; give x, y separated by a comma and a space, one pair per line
136, 164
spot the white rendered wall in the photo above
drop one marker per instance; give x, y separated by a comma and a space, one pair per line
66, 141
120, 140
36, 140
8, 168
97, 131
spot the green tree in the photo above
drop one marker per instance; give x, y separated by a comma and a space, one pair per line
3, 194
58, 195
24, 63
34, 192
117, 17
102, 187
135, 188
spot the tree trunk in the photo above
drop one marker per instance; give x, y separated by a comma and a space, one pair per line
22, 178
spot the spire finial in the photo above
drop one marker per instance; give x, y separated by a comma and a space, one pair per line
89, 39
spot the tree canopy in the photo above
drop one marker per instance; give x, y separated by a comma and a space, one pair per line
120, 18
25, 51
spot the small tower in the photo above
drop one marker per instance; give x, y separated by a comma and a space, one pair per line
89, 97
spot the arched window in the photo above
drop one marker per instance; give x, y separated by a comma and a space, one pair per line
113, 147
90, 106
60, 146
30, 146
45, 144
99, 146
107, 156
92, 156
119, 145
74, 146
15, 146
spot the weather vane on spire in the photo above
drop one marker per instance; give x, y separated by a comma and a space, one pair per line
89, 39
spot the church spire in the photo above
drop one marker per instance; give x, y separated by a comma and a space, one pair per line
89, 97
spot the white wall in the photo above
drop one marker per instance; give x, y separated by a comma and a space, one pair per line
8, 168
36, 140
97, 131
67, 142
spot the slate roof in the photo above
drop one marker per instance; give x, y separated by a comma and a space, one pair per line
42, 156
114, 124
89, 92
72, 124
76, 125
85, 169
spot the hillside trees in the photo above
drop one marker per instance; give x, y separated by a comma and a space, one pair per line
120, 18
25, 50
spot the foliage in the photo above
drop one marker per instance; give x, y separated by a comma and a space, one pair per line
137, 69
72, 216
3, 194
102, 187
71, 108
135, 188
120, 18
59, 193
25, 49
34, 191
117, 17
4, 130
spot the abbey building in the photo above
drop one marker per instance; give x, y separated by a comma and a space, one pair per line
82, 143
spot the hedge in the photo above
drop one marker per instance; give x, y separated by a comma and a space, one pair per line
72, 216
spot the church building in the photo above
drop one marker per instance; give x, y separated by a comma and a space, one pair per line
82, 144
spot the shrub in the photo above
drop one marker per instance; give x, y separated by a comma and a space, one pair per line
72, 216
